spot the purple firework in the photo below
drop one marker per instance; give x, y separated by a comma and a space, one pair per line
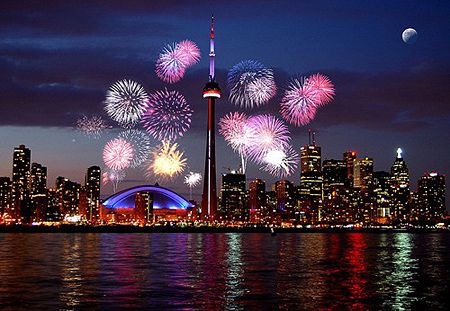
323, 87
189, 51
167, 115
171, 64
268, 133
299, 103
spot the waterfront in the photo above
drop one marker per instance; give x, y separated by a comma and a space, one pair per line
224, 270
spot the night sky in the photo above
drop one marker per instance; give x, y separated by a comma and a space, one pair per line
57, 60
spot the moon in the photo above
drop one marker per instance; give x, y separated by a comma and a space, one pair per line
409, 35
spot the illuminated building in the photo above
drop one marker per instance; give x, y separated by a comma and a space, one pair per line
38, 191
52, 211
362, 173
68, 196
144, 207
349, 157
285, 194
400, 188
257, 200
311, 172
211, 91
381, 188
20, 179
431, 196
233, 206
92, 188
334, 175
5, 196
158, 202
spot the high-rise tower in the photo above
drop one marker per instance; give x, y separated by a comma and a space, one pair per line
211, 91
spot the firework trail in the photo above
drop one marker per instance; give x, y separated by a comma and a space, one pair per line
251, 84
281, 162
92, 126
299, 103
323, 87
237, 133
113, 177
189, 52
166, 161
141, 144
125, 102
118, 154
171, 64
192, 180
167, 115
268, 133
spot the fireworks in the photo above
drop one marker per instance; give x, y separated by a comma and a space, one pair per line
167, 115
323, 87
268, 133
141, 144
92, 127
251, 84
125, 101
118, 154
189, 52
281, 162
166, 161
192, 179
113, 177
299, 103
171, 64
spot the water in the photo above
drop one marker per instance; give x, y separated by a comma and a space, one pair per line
233, 271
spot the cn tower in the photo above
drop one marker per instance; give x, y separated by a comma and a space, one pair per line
211, 91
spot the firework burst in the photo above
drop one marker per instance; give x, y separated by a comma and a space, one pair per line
268, 133
171, 64
189, 52
141, 144
281, 162
118, 154
251, 84
125, 102
323, 87
92, 126
299, 103
192, 180
166, 161
167, 115
113, 177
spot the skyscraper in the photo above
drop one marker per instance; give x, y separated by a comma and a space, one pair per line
400, 187
20, 179
311, 172
334, 175
211, 91
38, 191
257, 200
5, 196
233, 196
349, 157
431, 193
92, 188
362, 173
285, 194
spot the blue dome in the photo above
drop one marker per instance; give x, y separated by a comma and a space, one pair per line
162, 198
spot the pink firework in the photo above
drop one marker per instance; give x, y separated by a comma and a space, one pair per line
300, 102
189, 51
167, 115
234, 128
323, 87
268, 133
281, 162
171, 64
118, 154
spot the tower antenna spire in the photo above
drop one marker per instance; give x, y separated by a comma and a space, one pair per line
211, 51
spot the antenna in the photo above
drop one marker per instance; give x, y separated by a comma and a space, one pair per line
314, 138
309, 137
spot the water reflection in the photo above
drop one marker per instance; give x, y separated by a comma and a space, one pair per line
224, 271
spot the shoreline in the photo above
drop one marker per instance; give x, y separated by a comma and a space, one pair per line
204, 229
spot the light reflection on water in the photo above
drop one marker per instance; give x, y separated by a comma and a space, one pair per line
224, 271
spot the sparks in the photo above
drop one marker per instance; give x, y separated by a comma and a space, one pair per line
171, 64
141, 144
118, 154
281, 162
166, 161
92, 126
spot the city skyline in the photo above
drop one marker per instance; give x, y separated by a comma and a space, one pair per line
377, 107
